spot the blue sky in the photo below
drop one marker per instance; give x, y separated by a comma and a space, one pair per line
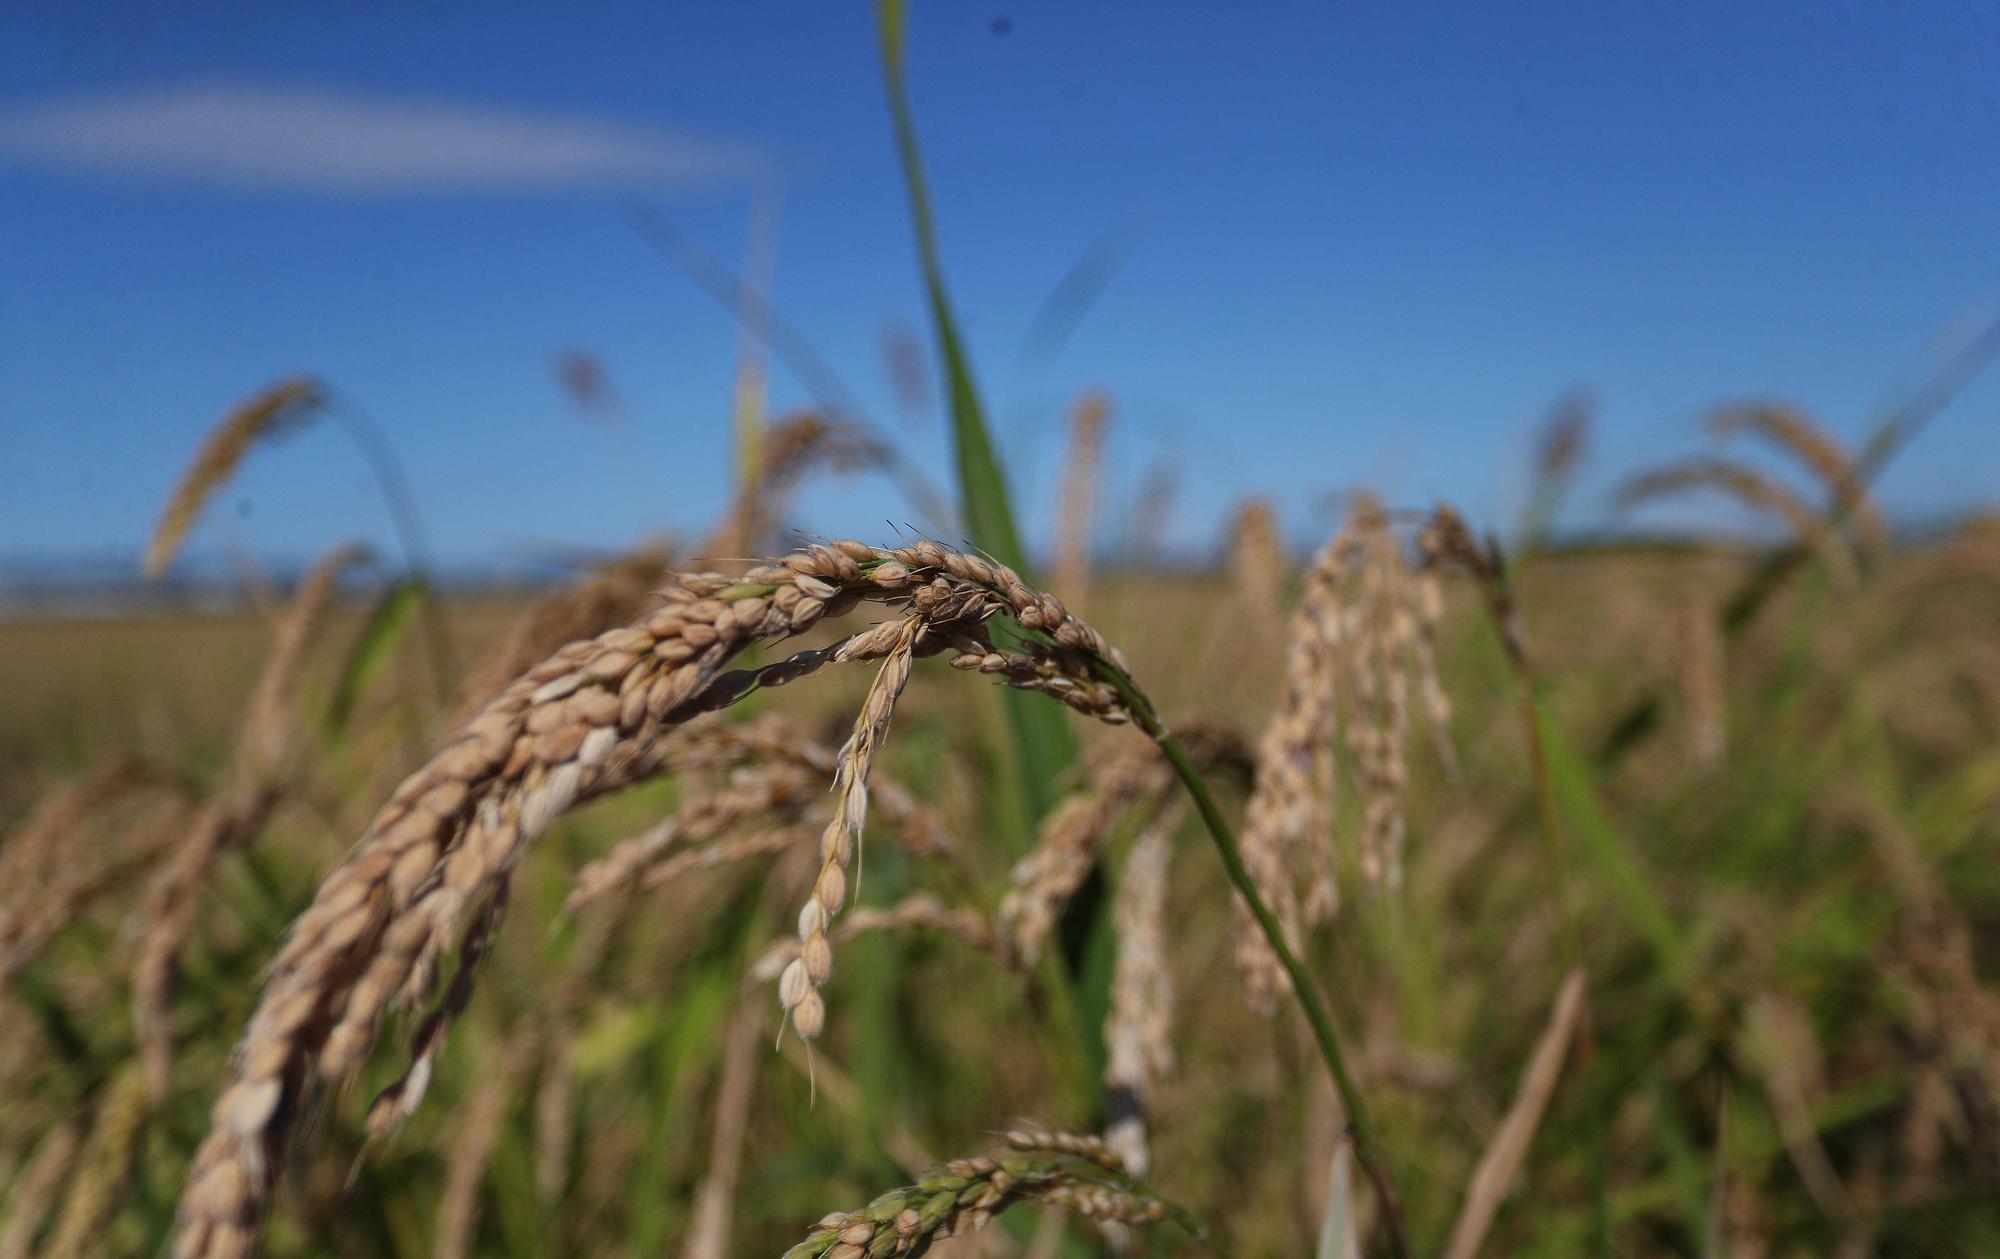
1363, 244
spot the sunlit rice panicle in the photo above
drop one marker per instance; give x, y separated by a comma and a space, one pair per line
612, 595
1033, 1138
1077, 500
1794, 431
1257, 565
771, 773
788, 451
1561, 441
1138, 1030
919, 911
104, 1168
708, 1233
745, 795
87, 872
37, 846
1699, 669
1290, 805
41, 879
1753, 489
396, 1103
1426, 595
251, 789
592, 719
283, 406
962, 1196
1383, 638
35, 1187
1152, 512
798, 987
1069, 839
1501, 1161
475, 1135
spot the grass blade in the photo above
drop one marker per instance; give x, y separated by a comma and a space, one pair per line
1043, 744
1502, 1159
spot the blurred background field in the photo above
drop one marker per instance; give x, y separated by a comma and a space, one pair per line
1689, 947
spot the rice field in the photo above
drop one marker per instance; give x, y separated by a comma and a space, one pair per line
1448, 888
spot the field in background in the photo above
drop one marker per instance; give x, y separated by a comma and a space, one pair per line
1649, 890
1812, 811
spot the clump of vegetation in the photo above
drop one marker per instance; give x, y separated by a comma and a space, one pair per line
1673, 937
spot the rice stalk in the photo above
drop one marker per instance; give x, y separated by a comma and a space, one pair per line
1754, 490
1501, 1161
788, 451
1151, 513
88, 871
706, 816
962, 1196
1068, 842
1257, 565
715, 1197
591, 720
42, 880
254, 784
1138, 1030
1288, 808
615, 593
104, 1168
1702, 673
1561, 442
799, 985
36, 1187
920, 911
1787, 1056
774, 773
1077, 499
278, 410
1795, 432
475, 1135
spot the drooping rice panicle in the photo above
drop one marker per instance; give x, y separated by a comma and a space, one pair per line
1257, 564
254, 783
1138, 1030
592, 719
1792, 430
36, 1187
1289, 805
279, 409
104, 1167
709, 1232
1754, 490
798, 987
962, 1196
1077, 499
474, 1138
919, 911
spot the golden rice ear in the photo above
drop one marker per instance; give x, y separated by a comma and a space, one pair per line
1075, 1171
1820, 452
1257, 566
591, 720
1754, 490
1138, 1029
1076, 502
232, 816
896, 644
282, 407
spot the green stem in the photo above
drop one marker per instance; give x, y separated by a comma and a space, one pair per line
1367, 1148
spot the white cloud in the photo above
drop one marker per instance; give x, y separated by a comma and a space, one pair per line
327, 141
